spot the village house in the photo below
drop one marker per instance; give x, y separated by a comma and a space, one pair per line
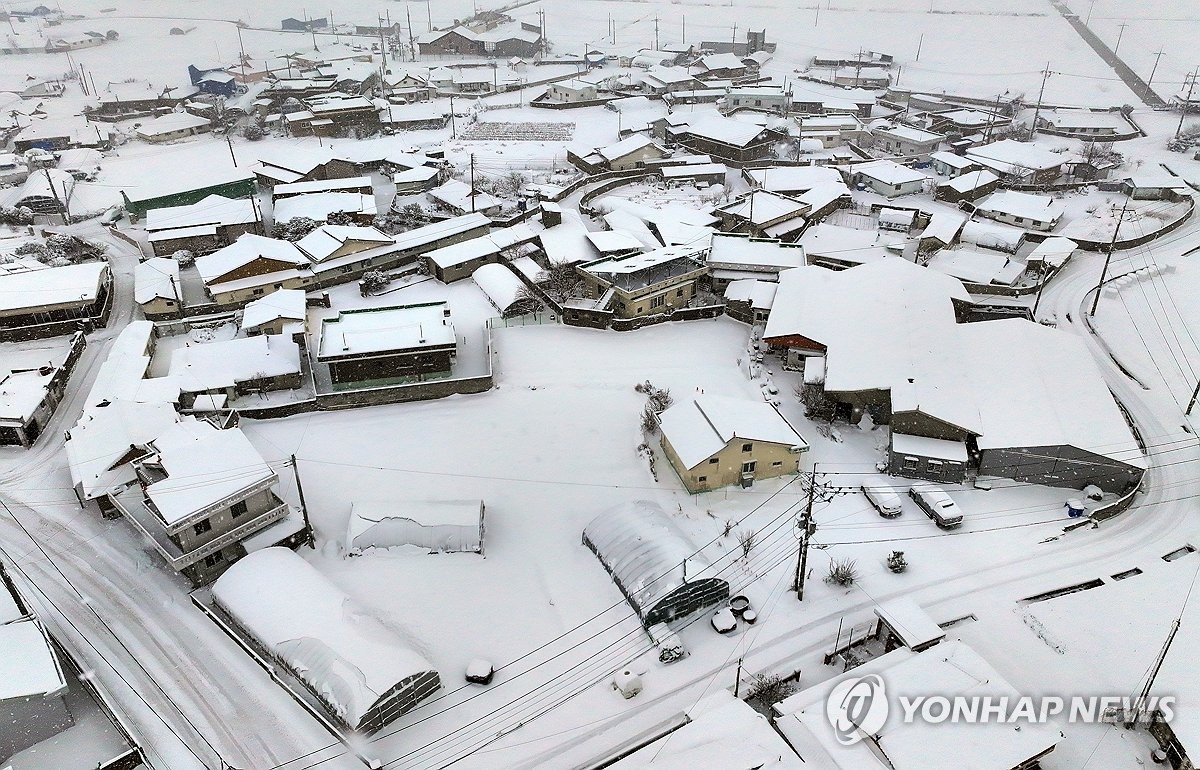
201, 227
46, 192
715, 441
281, 312
763, 214
720, 66
906, 141
970, 186
729, 140
236, 367
1018, 161
376, 346
964, 121
645, 284
63, 133
320, 206
335, 114
161, 193
571, 91
419, 116
832, 131
949, 164
355, 184
37, 302
140, 96
198, 527
735, 257
416, 180
460, 198
1151, 186
172, 126
156, 288
629, 153
1085, 124
250, 267
339, 253
31, 391
791, 180
665, 80
285, 166
765, 98
503, 41
1035, 212
749, 300
460, 260
837, 247
888, 178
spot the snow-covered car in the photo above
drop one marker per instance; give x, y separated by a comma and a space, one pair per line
937, 504
884, 500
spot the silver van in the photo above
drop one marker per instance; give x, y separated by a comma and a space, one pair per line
884, 500
937, 505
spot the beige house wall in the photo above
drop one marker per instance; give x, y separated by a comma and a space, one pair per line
770, 459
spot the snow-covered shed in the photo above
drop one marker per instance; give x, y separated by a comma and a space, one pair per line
653, 562
909, 625
365, 673
276, 313
437, 525
502, 288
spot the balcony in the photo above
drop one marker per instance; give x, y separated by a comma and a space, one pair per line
134, 508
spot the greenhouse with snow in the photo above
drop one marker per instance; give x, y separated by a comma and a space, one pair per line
653, 562
364, 673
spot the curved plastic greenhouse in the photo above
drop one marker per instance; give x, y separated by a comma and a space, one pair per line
363, 672
653, 562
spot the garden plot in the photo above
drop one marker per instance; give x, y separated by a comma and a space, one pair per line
484, 131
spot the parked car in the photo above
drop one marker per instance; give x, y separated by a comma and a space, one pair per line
884, 500
937, 504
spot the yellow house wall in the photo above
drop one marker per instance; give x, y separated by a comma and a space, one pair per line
727, 470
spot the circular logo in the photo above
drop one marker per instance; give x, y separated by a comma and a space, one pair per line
857, 707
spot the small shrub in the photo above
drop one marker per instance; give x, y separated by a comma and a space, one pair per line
747, 539
896, 561
769, 688
842, 572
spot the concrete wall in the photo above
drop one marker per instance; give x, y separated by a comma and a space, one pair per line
1059, 466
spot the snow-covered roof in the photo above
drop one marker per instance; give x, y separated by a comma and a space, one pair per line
636, 263
1038, 208
320, 185
203, 466
848, 244
700, 427
949, 669
971, 180
628, 146
529, 268
924, 446
738, 252
227, 363
29, 667
952, 160
502, 287
324, 241
735, 133
794, 178
170, 123
457, 195
213, 210
51, 287
427, 234
888, 172
614, 241
350, 659
760, 294
1046, 390
885, 325
910, 134
375, 330
760, 207
970, 265
1053, 251
1067, 120
319, 206
992, 235
648, 555
484, 246
247, 248
1011, 156
719, 61
106, 435
22, 392
156, 278
287, 304
911, 623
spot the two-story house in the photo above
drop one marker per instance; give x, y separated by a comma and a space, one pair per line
645, 284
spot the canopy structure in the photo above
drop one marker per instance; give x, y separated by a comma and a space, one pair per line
653, 563
365, 673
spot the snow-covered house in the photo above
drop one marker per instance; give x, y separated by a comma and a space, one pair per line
737, 257
441, 526
897, 744
907, 141
951, 165
764, 214
199, 493
644, 284
888, 178
201, 227
942, 230
969, 186
503, 289
41, 301
714, 442
631, 152
791, 180
232, 368
280, 312
727, 139
571, 91
460, 198
1051, 254
352, 184
750, 300
653, 563
460, 260
1018, 161
156, 288
386, 345
175, 125
252, 266
1034, 212
756, 97
838, 247
319, 206
366, 674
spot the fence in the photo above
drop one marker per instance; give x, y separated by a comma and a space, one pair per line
614, 184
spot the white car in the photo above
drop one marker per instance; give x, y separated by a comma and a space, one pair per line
884, 500
937, 504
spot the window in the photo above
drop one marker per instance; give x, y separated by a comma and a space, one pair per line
257, 292
702, 479
747, 447
202, 526
214, 559
897, 188
748, 467
238, 508
679, 292
640, 309
910, 464
658, 301
777, 464
713, 461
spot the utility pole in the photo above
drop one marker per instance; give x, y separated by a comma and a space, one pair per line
737, 682
1191, 81
987, 137
62, 204
920, 42
428, 16
453, 133
734, 40
806, 530
1195, 395
1140, 703
242, 50
1122, 25
655, 33
1107, 258
683, 39
412, 44
1158, 55
303, 506
472, 183
1088, 20
1038, 108
229, 142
